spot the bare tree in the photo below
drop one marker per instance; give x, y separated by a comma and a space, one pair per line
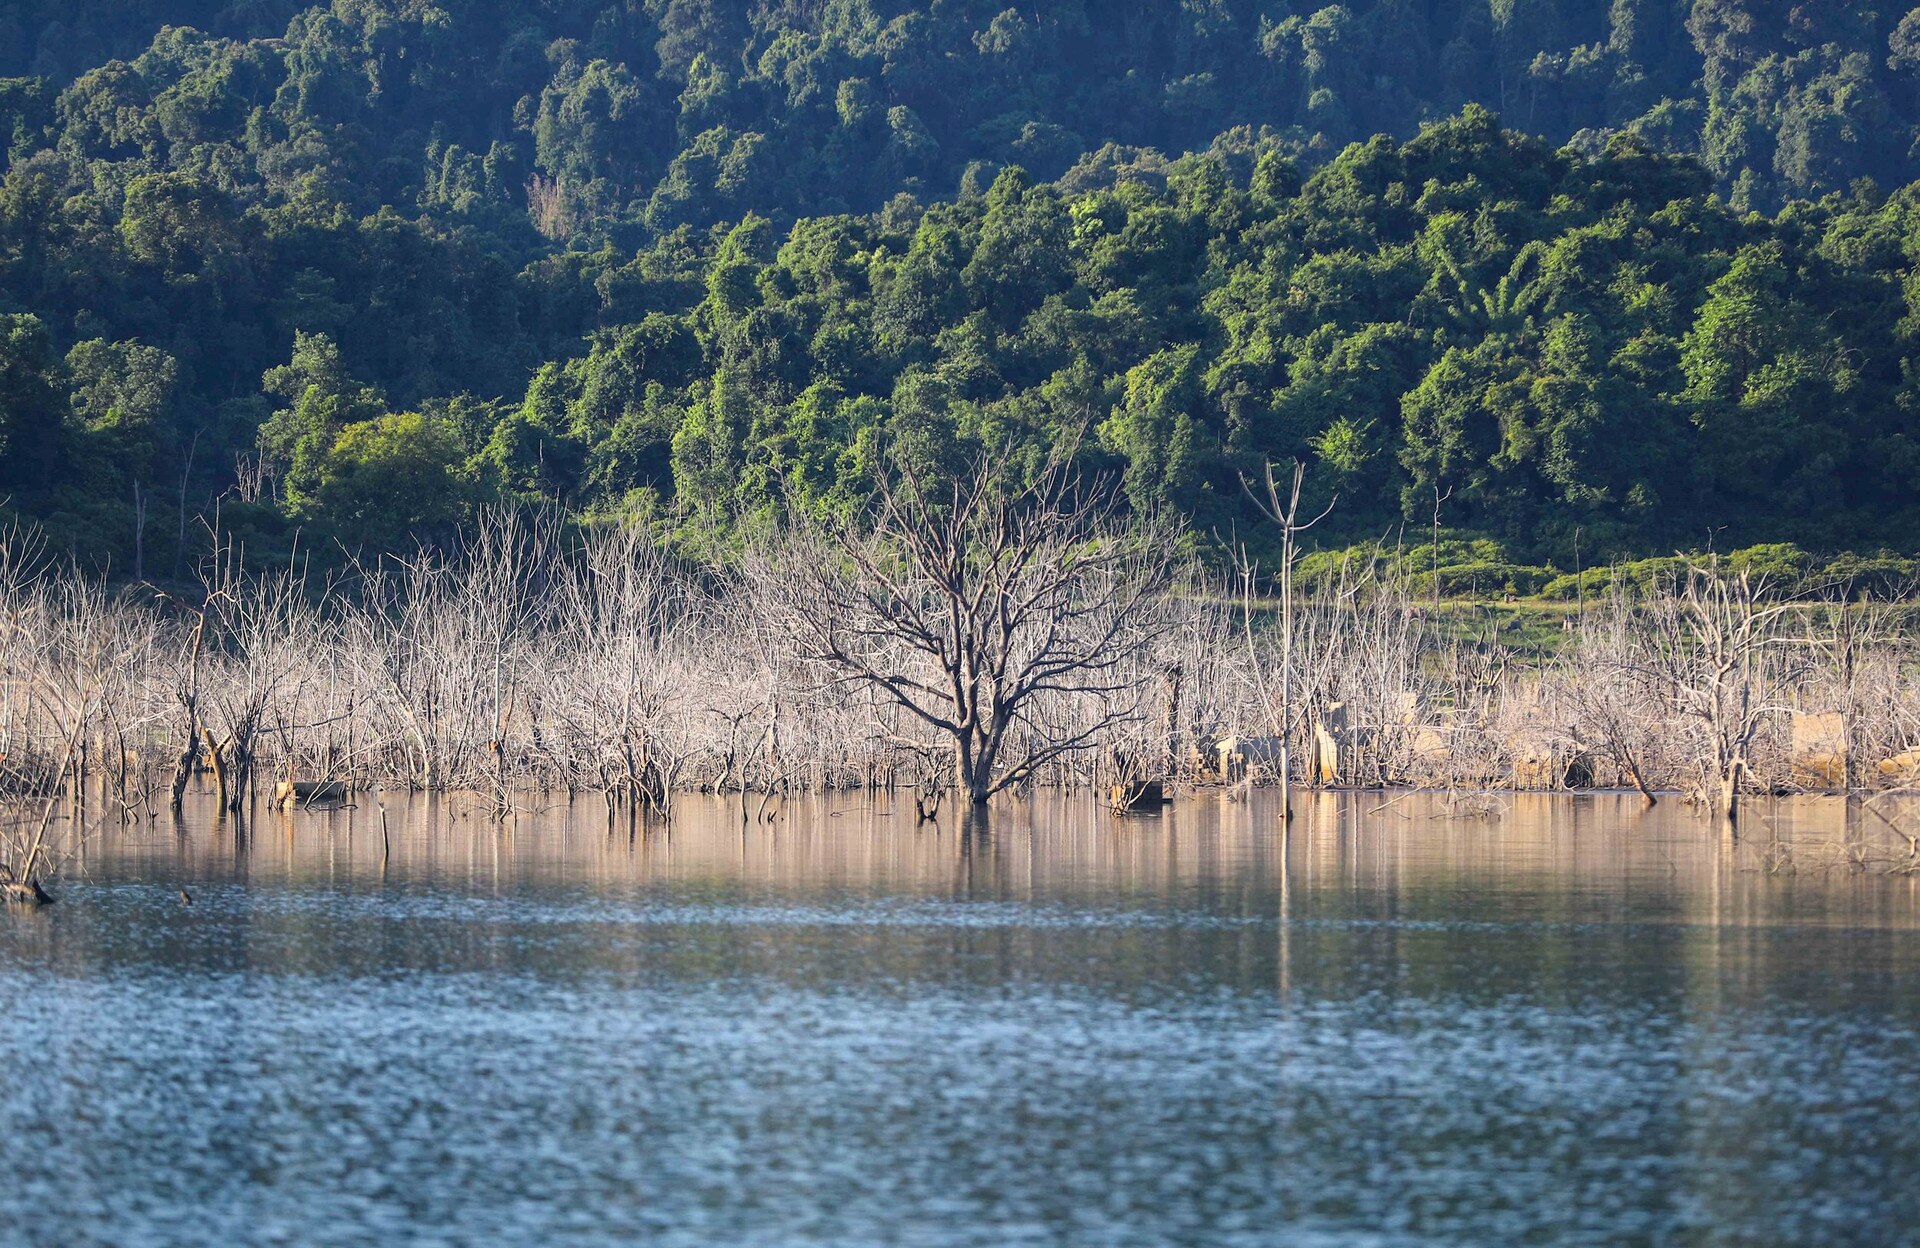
1438, 500
1603, 679
1717, 648
1856, 646
975, 605
188, 689
615, 643
1287, 516
260, 630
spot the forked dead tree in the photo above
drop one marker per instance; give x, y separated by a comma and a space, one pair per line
976, 604
1287, 516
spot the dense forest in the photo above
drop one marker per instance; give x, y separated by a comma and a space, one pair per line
1609, 277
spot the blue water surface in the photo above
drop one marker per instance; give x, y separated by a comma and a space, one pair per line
1569, 1023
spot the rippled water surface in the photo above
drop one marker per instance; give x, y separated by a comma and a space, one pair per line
1573, 1022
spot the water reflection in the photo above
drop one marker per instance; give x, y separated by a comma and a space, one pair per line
1406, 1021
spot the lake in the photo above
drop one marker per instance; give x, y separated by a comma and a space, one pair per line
1548, 1021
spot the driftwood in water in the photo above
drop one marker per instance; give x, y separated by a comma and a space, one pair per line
29, 895
23, 893
309, 792
1138, 796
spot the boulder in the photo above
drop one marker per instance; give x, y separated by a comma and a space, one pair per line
1335, 744
309, 792
1324, 766
1539, 762
1902, 768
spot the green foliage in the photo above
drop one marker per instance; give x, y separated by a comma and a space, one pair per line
1159, 428
298, 440
122, 396
1631, 291
32, 409
390, 479
1782, 565
1490, 578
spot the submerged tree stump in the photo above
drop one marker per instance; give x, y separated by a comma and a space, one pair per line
1138, 796
27, 896
21, 894
309, 792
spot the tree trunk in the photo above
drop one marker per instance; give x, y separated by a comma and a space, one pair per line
242, 778
1170, 728
183, 768
1640, 782
1623, 754
970, 780
219, 768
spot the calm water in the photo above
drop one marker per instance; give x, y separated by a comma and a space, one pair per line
1574, 1023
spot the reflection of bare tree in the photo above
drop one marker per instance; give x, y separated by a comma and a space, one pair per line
1881, 836
980, 866
1003, 617
1898, 814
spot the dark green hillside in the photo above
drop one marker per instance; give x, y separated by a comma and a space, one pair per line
359, 269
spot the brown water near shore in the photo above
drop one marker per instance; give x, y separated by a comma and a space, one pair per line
1603, 850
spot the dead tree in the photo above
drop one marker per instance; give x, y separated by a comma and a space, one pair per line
259, 631
187, 692
617, 669
1716, 647
1854, 642
1603, 676
1287, 516
975, 602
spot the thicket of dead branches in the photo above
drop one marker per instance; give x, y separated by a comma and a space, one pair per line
964, 639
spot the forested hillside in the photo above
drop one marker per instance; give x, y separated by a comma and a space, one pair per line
355, 270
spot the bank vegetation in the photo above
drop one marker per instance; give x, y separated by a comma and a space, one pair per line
962, 639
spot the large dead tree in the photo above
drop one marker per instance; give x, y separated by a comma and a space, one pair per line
1718, 649
1010, 619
